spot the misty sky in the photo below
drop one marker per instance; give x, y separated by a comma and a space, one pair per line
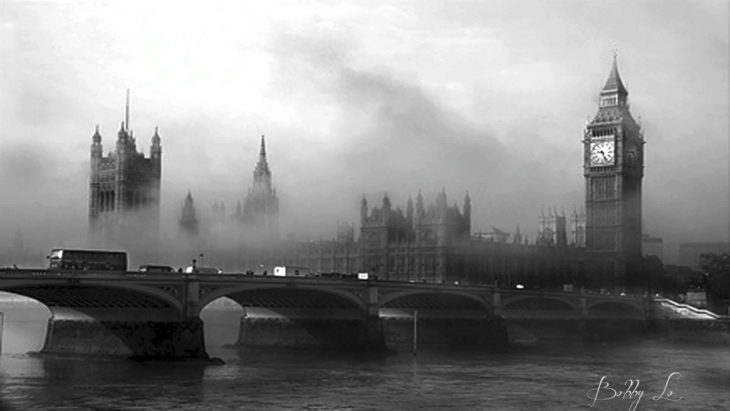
366, 97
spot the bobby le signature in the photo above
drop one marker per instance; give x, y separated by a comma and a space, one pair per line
604, 392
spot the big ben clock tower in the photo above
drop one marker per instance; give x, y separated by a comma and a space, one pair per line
613, 166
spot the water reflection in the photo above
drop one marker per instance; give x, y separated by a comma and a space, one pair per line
556, 378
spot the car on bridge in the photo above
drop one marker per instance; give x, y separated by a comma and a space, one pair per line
203, 270
148, 268
290, 271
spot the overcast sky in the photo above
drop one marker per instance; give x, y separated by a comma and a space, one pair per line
489, 97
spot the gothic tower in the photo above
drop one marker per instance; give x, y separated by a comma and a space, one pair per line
552, 229
188, 220
124, 192
261, 206
613, 166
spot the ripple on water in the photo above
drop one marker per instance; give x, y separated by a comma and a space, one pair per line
556, 378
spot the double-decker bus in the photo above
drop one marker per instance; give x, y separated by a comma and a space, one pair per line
63, 259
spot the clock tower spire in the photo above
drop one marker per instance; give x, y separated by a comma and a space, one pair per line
613, 167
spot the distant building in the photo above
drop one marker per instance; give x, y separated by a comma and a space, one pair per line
19, 254
124, 191
260, 212
345, 233
689, 253
497, 235
18, 247
552, 229
188, 220
652, 246
517, 237
578, 229
415, 244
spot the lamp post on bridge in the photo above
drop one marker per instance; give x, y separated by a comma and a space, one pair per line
415, 332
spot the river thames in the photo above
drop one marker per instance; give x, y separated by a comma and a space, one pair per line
643, 375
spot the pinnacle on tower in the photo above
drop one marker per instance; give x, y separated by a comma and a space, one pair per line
96, 138
126, 112
467, 212
262, 167
614, 83
156, 138
363, 209
517, 238
441, 201
409, 211
122, 135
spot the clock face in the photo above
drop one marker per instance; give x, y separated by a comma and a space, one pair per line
602, 153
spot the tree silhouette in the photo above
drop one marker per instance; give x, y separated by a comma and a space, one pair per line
717, 270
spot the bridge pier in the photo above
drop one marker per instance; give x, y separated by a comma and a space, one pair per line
319, 328
321, 321
374, 338
164, 340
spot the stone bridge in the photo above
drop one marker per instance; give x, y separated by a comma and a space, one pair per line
151, 315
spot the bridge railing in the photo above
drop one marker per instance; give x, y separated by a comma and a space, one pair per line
21, 273
25, 271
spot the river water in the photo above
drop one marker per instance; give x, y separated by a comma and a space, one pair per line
552, 378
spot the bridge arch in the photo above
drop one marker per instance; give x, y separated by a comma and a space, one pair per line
268, 295
288, 314
538, 302
113, 317
61, 296
446, 299
440, 318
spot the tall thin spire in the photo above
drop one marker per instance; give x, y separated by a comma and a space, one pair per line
126, 112
614, 82
262, 167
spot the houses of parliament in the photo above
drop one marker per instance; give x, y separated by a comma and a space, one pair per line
427, 240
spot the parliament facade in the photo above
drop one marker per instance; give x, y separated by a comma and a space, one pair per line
426, 243
427, 240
